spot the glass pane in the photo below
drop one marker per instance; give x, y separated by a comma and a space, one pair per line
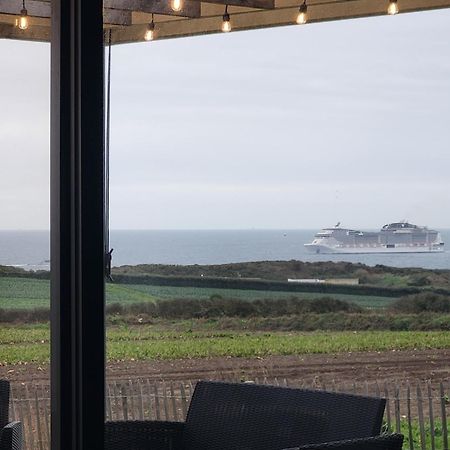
24, 236
269, 192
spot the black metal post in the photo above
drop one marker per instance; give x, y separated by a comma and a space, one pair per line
77, 231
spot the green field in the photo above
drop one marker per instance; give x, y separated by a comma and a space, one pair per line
24, 344
24, 293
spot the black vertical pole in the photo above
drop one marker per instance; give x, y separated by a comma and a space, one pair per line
77, 229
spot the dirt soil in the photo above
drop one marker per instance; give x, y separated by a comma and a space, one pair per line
433, 365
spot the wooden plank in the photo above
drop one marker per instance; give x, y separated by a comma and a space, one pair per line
46, 398
377, 389
443, 417
165, 402
259, 4
42, 8
132, 396
115, 17
431, 415
397, 408
151, 414
423, 443
408, 405
184, 400
22, 419
123, 392
174, 402
108, 403
12, 404
141, 400
33, 34
157, 407
190, 8
28, 407
117, 400
34, 8
38, 420
388, 407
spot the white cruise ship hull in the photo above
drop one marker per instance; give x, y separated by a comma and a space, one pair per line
323, 249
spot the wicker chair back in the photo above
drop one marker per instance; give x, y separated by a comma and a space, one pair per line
245, 416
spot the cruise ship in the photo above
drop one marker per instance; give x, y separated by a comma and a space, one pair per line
397, 237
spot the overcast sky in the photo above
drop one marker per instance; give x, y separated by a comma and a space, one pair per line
296, 127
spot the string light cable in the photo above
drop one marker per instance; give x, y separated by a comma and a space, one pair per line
23, 21
302, 16
226, 21
150, 33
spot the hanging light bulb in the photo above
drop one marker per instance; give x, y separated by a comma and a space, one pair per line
176, 5
393, 7
226, 23
23, 21
150, 33
302, 16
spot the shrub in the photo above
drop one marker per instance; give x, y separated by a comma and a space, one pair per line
423, 302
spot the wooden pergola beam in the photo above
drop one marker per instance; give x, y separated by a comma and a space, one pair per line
259, 4
169, 27
280, 16
42, 9
190, 8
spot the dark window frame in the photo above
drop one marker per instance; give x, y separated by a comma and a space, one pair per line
77, 231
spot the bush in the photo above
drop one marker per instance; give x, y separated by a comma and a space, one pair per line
216, 306
24, 315
420, 303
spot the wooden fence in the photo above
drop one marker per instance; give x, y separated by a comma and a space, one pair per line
419, 411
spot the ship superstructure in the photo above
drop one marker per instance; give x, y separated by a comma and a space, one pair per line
396, 237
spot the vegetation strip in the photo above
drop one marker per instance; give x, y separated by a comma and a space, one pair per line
31, 344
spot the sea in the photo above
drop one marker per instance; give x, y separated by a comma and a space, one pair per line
30, 249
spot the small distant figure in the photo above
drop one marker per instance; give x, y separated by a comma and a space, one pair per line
108, 265
337, 225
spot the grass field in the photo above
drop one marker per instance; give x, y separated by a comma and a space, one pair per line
23, 344
24, 293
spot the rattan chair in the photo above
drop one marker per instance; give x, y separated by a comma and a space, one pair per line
225, 416
10, 432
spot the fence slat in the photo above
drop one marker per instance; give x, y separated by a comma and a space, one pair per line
397, 408
117, 400
151, 415
38, 420
123, 393
108, 402
12, 408
174, 403
431, 416
141, 401
165, 402
423, 443
157, 409
21, 418
131, 397
184, 401
408, 405
388, 407
46, 414
443, 417
28, 413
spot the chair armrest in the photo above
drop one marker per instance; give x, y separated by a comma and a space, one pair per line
11, 436
382, 442
143, 435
